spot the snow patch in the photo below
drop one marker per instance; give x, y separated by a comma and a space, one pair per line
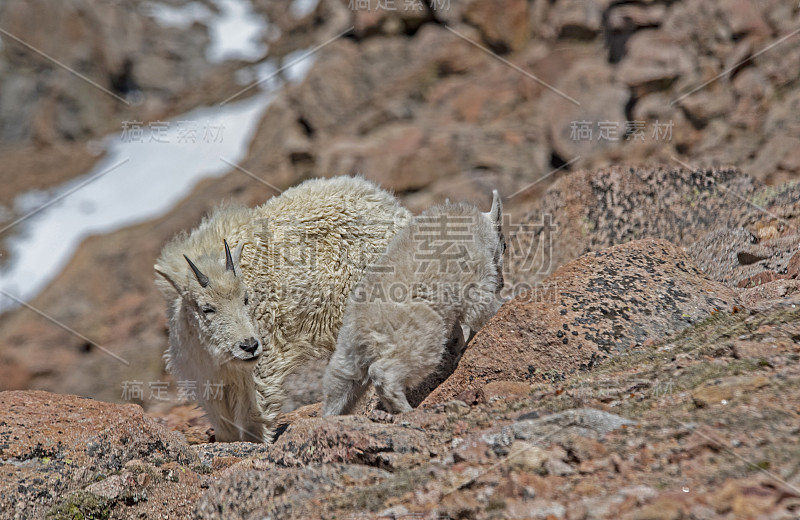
178, 17
301, 8
236, 31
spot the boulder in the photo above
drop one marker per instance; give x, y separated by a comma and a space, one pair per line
349, 439
591, 210
504, 24
597, 306
52, 445
256, 490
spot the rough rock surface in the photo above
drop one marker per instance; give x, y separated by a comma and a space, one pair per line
680, 429
596, 306
280, 493
411, 100
53, 445
591, 210
349, 439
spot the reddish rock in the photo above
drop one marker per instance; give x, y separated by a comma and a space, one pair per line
579, 19
189, 419
599, 305
655, 60
746, 17
504, 390
398, 157
56, 444
585, 95
748, 498
758, 279
584, 448
590, 210
390, 18
504, 24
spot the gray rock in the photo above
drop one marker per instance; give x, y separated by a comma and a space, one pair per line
586, 422
269, 492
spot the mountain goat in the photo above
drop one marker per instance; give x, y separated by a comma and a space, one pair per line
444, 271
246, 319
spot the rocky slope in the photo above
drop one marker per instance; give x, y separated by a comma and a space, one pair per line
681, 283
693, 424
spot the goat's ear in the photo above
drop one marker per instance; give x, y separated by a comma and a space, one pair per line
160, 270
495, 214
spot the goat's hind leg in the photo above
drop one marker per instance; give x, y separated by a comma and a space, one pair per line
341, 394
389, 387
343, 384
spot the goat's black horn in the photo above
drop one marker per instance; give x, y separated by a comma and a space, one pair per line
228, 258
201, 278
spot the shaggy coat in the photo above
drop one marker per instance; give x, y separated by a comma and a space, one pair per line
441, 272
277, 301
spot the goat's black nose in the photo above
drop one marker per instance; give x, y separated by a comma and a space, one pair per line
249, 345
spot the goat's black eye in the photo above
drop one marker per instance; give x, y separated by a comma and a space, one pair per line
246, 299
208, 309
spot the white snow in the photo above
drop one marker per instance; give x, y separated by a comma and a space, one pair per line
236, 32
178, 17
300, 8
296, 65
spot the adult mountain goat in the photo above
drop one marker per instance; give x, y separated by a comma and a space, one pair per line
247, 319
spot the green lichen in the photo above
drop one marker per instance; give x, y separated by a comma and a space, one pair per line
373, 498
80, 505
767, 195
587, 226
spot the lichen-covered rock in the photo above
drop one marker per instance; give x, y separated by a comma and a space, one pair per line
349, 439
52, 445
597, 306
763, 252
591, 210
264, 491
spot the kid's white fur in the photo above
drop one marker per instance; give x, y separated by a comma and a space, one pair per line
442, 272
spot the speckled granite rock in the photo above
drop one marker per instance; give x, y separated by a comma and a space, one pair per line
52, 445
591, 210
597, 306
766, 251
350, 439
263, 491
